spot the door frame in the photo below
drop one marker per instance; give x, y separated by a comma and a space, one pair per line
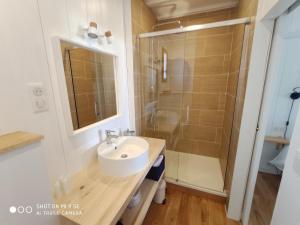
256, 109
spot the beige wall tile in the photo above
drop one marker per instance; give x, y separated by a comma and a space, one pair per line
207, 32
194, 47
201, 101
203, 133
224, 150
212, 118
142, 21
218, 45
83, 85
228, 116
208, 65
176, 83
176, 67
208, 149
78, 68
81, 54
219, 137
191, 116
170, 101
90, 69
86, 116
222, 102
232, 83
202, 18
187, 146
207, 84
198, 147
82, 101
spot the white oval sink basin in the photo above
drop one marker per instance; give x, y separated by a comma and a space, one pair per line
124, 157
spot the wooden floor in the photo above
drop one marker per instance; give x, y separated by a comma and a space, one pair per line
185, 207
264, 199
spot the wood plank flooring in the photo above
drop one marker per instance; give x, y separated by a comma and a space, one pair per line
264, 199
188, 208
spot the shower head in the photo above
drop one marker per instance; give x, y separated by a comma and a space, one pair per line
295, 94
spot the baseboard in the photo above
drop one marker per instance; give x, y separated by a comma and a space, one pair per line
215, 196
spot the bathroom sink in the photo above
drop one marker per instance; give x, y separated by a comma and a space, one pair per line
124, 157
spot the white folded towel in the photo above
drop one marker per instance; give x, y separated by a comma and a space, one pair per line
279, 160
158, 161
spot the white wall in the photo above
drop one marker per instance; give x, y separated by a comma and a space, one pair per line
281, 5
27, 27
274, 8
287, 206
22, 60
248, 131
284, 70
24, 183
66, 18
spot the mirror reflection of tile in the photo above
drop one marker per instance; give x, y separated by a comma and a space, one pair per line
90, 81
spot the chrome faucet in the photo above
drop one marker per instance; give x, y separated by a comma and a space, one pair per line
129, 132
110, 136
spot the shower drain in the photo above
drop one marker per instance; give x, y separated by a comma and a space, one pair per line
124, 156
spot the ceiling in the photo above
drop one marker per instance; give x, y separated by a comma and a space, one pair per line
167, 9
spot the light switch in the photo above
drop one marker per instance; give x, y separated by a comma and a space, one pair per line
38, 97
37, 90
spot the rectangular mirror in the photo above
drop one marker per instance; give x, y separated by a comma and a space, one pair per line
90, 81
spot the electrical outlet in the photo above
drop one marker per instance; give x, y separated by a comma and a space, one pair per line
38, 97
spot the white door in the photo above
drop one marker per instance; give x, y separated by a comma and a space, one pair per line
287, 208
283, 75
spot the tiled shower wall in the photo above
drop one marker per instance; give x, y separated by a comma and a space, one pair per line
142, 21
231, 94
199, 65
198, 71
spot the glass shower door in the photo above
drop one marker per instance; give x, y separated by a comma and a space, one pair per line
189, 85
162, 69
211, 73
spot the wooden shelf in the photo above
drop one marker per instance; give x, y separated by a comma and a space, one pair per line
136, 215
277, 140
18, 139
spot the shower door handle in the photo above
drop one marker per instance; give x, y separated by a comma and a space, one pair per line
96, 108
187, 113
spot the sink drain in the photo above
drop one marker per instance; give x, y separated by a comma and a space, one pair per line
124, 156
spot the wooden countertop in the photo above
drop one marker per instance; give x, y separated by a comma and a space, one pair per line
103, 199
18, 139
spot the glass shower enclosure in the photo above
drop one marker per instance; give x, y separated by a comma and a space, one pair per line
188, 83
